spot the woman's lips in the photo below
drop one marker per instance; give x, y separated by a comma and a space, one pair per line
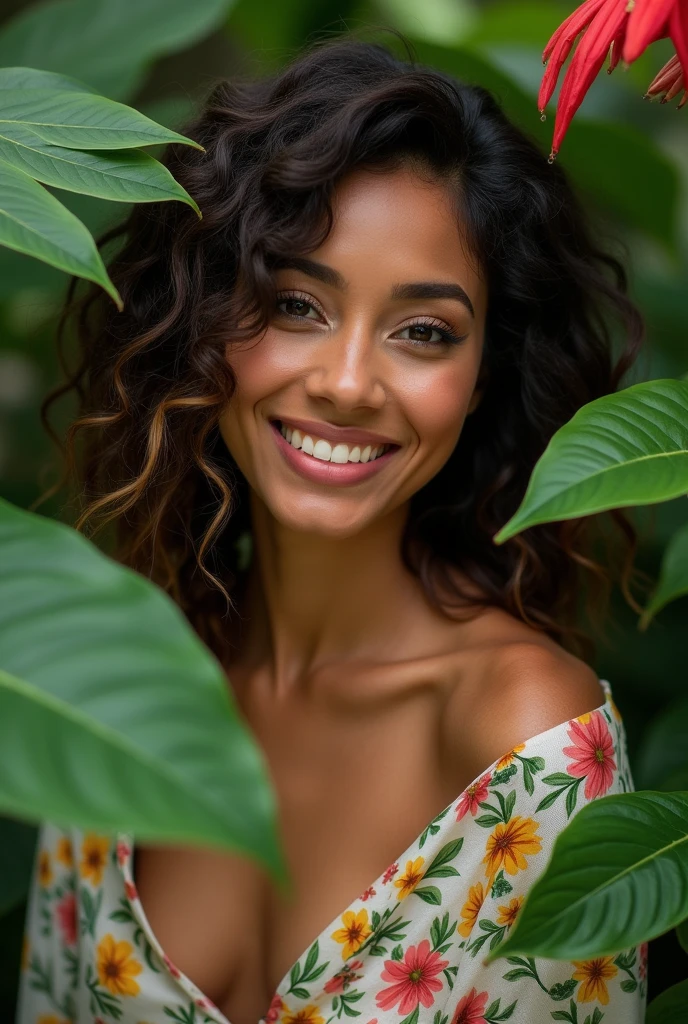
331, 473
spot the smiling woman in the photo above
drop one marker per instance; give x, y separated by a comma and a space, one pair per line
356, 357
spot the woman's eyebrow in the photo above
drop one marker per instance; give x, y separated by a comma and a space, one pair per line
413, 290
433, 290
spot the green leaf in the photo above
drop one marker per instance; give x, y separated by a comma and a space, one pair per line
682, 934
109, 45
113, 715
673, 578
429, 894
670, 1007
629, 448
618, 876
34, 222
437, 867
31, 78
125, 176
80, 120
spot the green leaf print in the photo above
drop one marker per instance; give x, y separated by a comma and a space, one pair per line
439, 866
345, 1001
440, 1018
101, 1002
384, 930
498, 815
398, 952
412, 1018
300, 977
566, 784
187, 1015
563, 990
501, 778
500, 886
440, 932
429, 894
91, 909
433, 828
525, 968
493, 1014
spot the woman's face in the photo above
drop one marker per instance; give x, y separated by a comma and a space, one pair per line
377, 332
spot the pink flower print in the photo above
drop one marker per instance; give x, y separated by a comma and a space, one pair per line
367, 894
205, 1004
342, 979
67, 919
172, 968
642, 961
414, 979
592, 753
472, 797
130, 890
471, 1009
390, 873
273, 1013
123, 852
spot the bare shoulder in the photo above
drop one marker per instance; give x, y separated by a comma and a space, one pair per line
518, 686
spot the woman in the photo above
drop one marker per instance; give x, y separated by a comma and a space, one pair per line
319, 405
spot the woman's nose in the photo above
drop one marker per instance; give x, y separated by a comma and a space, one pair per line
346, 371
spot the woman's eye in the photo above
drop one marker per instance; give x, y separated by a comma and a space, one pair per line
424, 334
298, 308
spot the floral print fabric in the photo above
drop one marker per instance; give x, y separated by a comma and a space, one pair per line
409, 950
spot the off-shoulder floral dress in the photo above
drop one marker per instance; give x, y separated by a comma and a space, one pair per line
409, 950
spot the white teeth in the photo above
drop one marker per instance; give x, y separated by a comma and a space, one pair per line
322, 450
326, 452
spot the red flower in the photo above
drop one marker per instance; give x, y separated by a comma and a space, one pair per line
130, 890
414, 979
623, 26
123, 852
274, 1011
642, 961
592, 753
472, 797
367, 894
471, 1009
172, 968
668, 83
390, 873
67, 918
342, 979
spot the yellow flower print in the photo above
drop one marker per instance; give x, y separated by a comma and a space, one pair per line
94, 850
308, 1015
509, 845
354, 933
507, 915
584, 718
407, 882
116, 966
471, 909
615, 710
505, 761
45, 871
65, 854
51, 1018
593, 976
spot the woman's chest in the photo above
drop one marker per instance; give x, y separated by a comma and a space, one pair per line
353, 792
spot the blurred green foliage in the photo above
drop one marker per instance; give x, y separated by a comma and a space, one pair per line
629, 159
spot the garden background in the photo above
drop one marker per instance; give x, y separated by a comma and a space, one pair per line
629, 159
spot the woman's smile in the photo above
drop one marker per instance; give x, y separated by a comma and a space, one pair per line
338, 464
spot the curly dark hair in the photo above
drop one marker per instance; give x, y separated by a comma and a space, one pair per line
153, 379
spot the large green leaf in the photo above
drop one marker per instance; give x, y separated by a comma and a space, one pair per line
34, 222
630, 448
612, 163
109, 45
618, 876
673, 580
80, 120
32, 78
113, 715
125, 176
670, 1007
